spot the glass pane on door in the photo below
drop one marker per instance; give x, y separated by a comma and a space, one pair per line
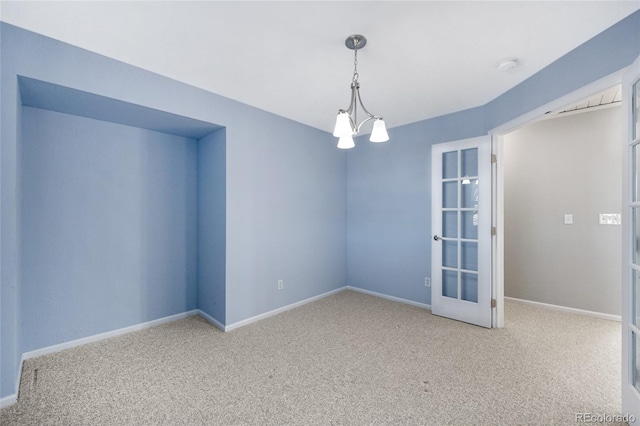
635, 226
635, 347
449, 224
469, 256
636, 111
450, 165
450, 254
450, 284
470, 194
470, 225
450, 195
635, 296
469, 287
635, 185
470, 162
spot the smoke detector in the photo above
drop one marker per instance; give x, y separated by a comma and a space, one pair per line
508, 64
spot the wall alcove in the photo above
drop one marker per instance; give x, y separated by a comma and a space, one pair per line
118, 203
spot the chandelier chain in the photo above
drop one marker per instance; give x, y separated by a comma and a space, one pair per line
354, 79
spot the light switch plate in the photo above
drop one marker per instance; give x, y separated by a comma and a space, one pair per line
610, 219
568, 219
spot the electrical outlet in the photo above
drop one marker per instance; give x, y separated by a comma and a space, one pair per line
427, 282
280, 284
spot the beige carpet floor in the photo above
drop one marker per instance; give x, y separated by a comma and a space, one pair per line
348, 359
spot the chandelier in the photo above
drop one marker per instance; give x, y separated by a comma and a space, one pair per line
346, 127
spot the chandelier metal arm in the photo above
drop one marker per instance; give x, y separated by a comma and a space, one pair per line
367, 119
362, 105
353, 108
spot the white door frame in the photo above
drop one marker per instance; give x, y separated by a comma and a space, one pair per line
497, 221
497, 143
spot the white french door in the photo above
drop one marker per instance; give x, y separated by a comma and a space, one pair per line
461, 224
631, 249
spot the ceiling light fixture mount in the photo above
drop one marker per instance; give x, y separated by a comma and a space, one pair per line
346, 122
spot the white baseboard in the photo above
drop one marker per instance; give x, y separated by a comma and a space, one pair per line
386, 296
13, 398
107, 335
600, 315
211, 319
280, 310
8, 400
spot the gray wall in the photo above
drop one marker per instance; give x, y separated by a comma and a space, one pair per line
555, 167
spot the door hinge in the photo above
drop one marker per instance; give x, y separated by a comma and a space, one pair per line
493, 231
493, 303
494, 159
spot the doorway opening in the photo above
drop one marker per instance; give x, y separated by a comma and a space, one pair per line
562, 201
558, 191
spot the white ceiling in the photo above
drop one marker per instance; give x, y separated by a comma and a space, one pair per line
423, 58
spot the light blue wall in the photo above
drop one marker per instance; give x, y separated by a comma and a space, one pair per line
10, 161
285, 183
212, 182
389, 205
286, 216
108, 230
389, 217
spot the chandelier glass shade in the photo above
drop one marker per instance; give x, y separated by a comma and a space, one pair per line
347, 120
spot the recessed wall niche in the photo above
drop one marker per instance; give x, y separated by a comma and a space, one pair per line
110, 213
